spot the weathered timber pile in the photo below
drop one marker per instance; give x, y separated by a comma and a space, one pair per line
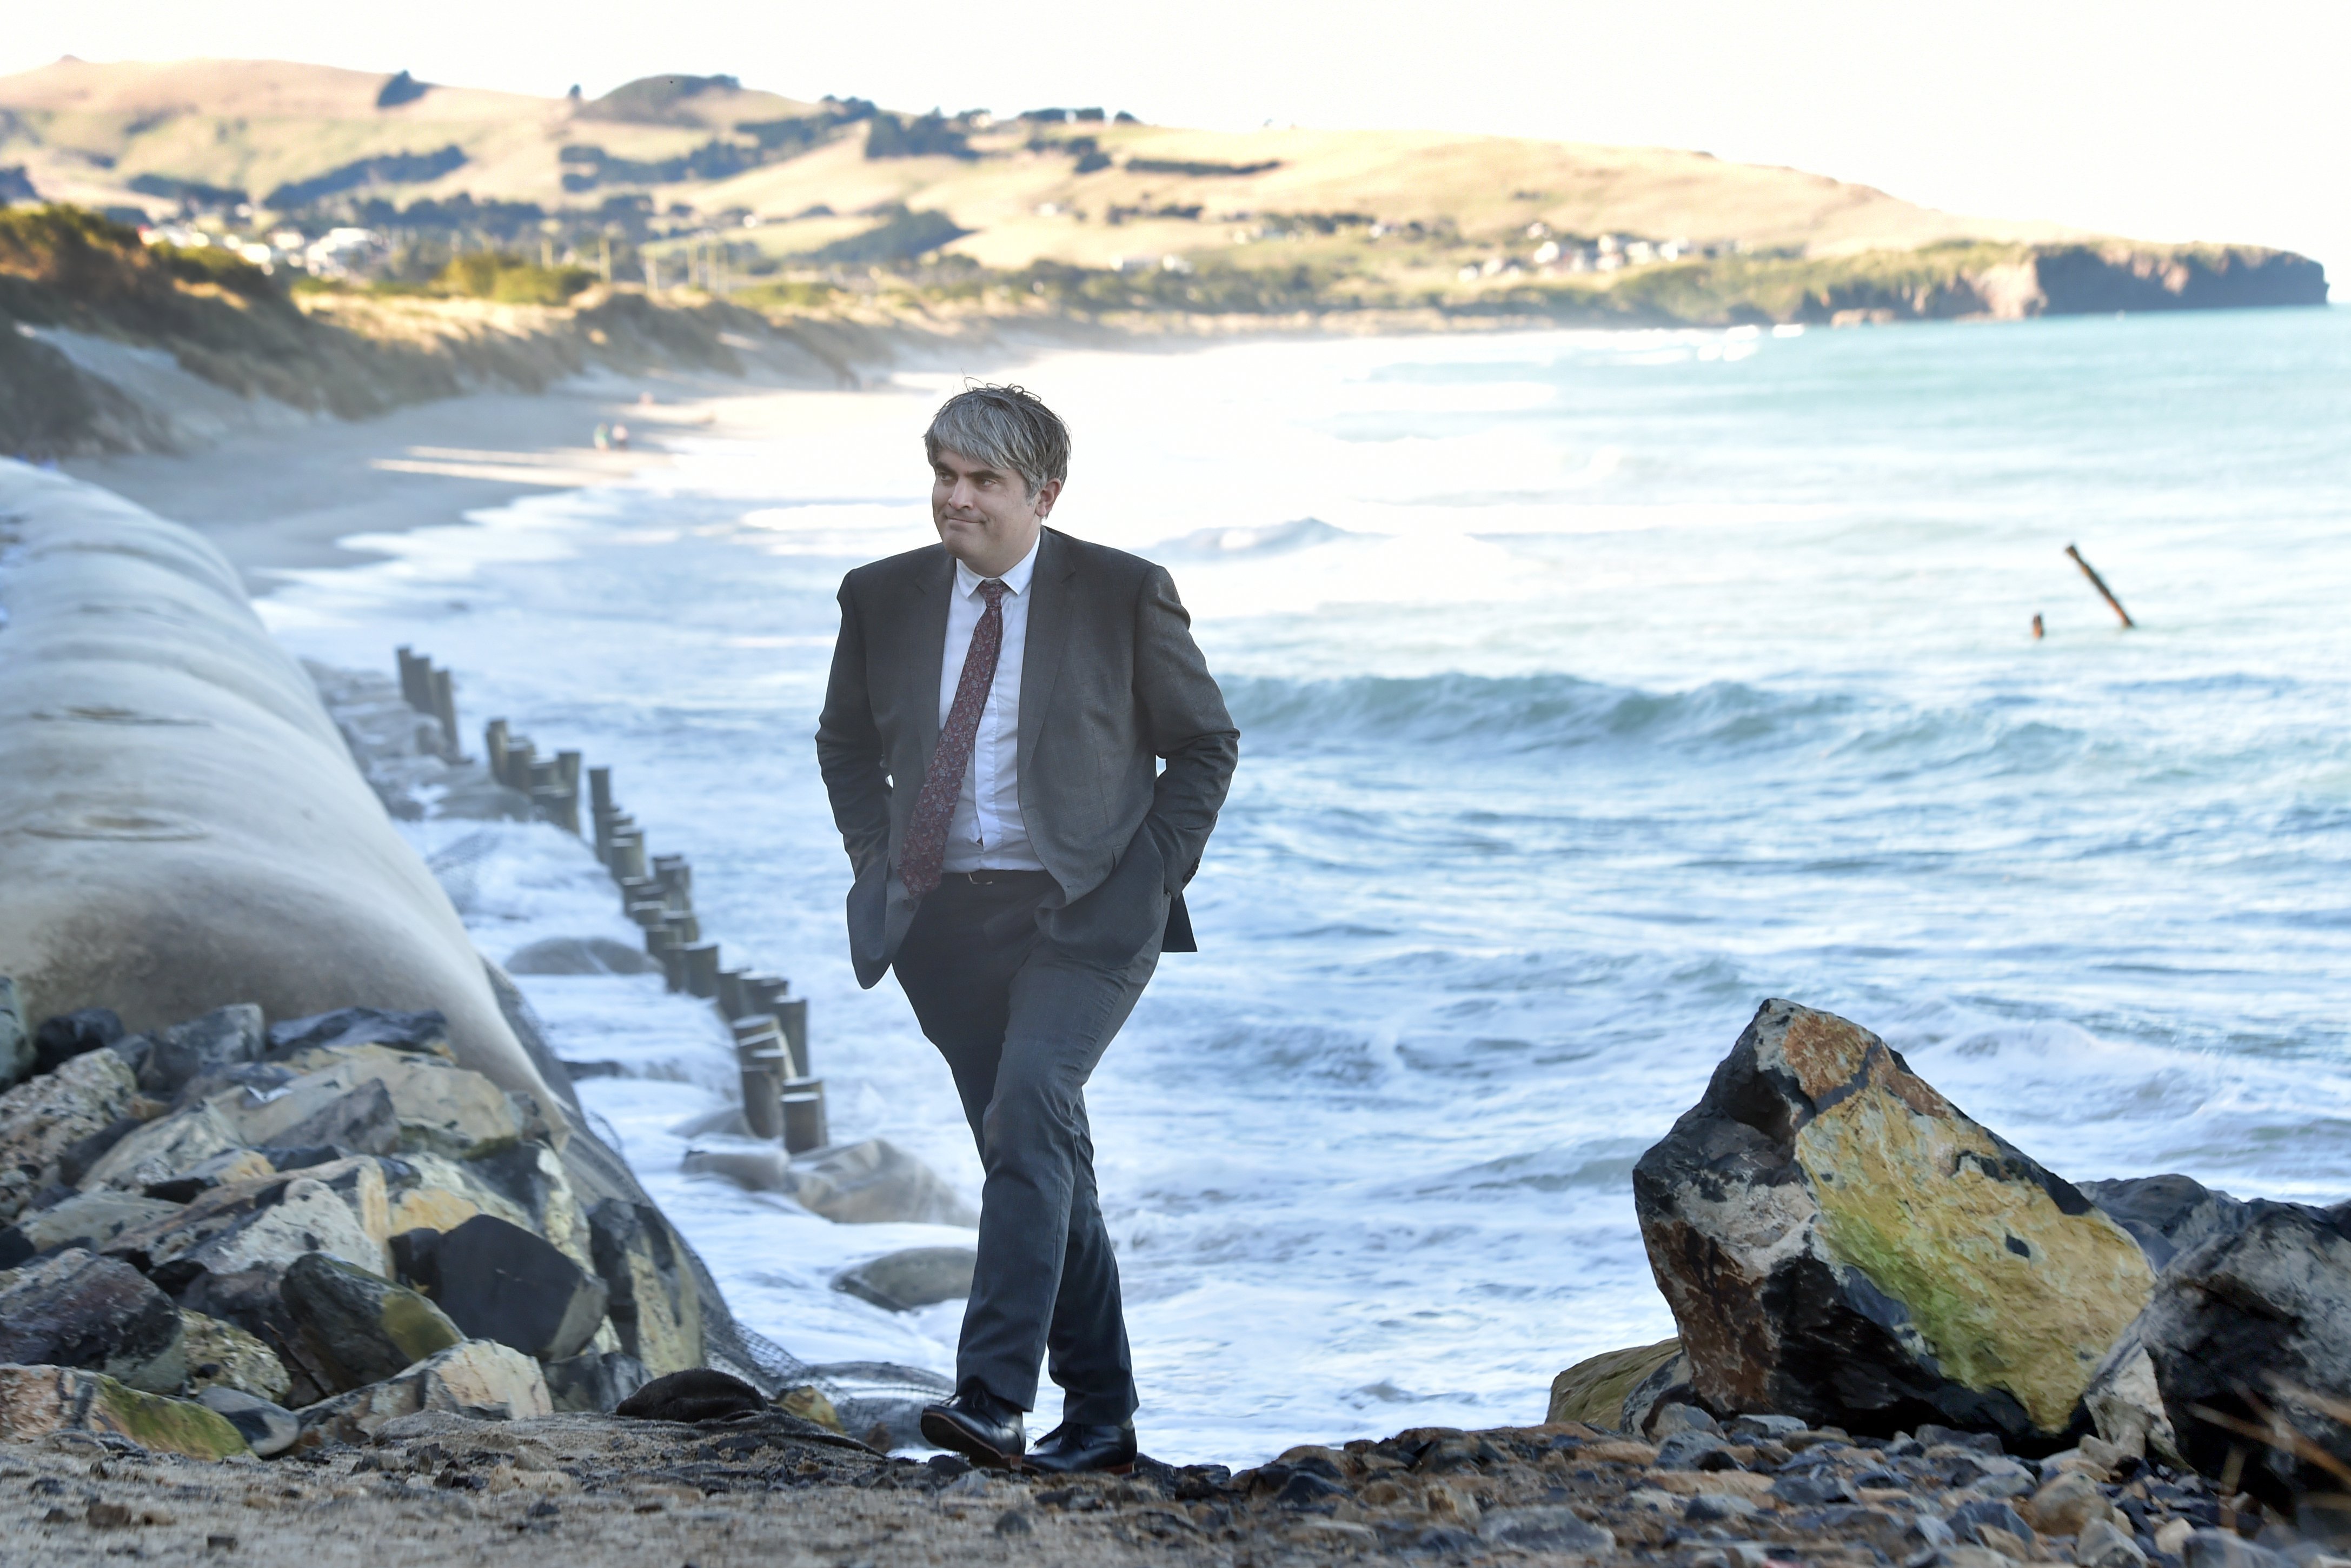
223, 1235
1846, 1252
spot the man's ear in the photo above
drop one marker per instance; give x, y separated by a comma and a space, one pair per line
1046, 494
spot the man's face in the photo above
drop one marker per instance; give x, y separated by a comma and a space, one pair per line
985, 517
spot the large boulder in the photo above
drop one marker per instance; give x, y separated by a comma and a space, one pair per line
357, 1327
655, 1303
42, 1119
499, 1282
37, 1401
424, 1033
76, 1309
1840, 1243
479, 1378
2250, 1334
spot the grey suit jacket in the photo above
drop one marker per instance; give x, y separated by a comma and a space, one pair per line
1112, 682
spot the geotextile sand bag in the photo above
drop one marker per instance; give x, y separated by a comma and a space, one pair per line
181, 824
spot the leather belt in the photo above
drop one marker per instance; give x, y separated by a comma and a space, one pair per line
988, 876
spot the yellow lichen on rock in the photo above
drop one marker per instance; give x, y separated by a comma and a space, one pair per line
2005, 1288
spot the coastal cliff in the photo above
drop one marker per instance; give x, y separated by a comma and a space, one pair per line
108, 345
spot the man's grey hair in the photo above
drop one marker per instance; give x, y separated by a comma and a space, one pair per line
1003, 427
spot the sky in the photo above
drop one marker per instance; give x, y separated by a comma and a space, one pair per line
2154, 120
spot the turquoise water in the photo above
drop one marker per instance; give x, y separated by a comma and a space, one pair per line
1593, 688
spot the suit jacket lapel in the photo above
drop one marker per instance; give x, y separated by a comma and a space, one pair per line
926, 645
1049, 633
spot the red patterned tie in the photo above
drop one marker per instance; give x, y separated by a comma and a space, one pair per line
927, 836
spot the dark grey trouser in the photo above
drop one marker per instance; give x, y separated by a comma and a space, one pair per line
1022, 1024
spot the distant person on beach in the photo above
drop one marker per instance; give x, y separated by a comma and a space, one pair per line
991, 738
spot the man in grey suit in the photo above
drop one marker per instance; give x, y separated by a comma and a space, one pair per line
998, 707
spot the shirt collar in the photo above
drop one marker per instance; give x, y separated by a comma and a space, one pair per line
968, 581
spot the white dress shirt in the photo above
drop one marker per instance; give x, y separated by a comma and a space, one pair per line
986, 831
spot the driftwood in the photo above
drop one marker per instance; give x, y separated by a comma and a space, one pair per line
2100, 584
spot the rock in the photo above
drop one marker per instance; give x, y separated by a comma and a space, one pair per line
37, 1401
162, 1148
499, 1282
917, 1277
442, 1109
1592, 1391
2265, 1309
2227, 1549
2166, 1214
86, 1220
1971, 1520
220, 1355
270, 1221
360, 1121
2066, 1506
224, 1038
810, 1403
697, 1394
42, 1118
477, 1378
2171, 1536
1669, 1420
1768, 1428
581, 956
655, 1305
1691, 1450
268, 1428
1812, 1489
727, 1122
1715, 1507
1545, 1529
61, 1038
76, 1309
871, 1183
2102, 1544
359, 1326
1668, 1384
883, 1422
1838, 1242
18, 1057
223, 1169
597, 1381
527, 1186
425, 1033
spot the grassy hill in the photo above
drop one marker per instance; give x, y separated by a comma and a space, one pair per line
704, 153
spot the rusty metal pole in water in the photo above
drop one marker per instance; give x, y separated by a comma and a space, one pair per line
2100, 584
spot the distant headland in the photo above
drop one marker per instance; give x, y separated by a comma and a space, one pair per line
204, 206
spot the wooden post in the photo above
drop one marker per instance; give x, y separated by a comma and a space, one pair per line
2100, 584
443, 689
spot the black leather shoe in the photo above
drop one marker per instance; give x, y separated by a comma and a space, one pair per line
978, 1426
1070, 1447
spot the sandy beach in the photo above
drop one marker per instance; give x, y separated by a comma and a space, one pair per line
283, 500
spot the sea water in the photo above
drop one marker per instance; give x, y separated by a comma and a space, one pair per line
1592, 687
